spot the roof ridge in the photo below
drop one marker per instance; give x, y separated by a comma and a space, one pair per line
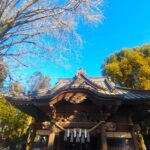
90, 82
130, 89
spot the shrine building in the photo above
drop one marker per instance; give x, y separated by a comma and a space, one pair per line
84, 113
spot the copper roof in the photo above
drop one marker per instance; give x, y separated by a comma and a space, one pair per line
101, 88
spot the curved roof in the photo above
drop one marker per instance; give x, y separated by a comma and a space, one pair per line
100, 88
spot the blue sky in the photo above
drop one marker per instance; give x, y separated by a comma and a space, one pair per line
126, 24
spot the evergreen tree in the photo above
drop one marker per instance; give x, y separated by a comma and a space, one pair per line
130, 67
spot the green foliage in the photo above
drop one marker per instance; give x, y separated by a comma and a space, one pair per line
130, 67
13, 123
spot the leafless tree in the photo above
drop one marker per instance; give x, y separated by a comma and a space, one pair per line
25, 23
37, 81
16, 87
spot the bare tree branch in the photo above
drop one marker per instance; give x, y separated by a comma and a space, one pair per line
23, 23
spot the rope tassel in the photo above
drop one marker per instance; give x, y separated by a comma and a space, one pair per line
65, 136
88, 137
77, 135
71, 137
78, 138
80, 131
85, 133
82, 138
68, 133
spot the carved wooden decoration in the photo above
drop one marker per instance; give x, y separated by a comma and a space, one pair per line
53, 112
110, 126
75, 98
81, 72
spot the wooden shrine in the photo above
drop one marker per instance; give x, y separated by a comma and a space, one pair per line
84, 113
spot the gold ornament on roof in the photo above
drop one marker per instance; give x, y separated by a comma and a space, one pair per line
80, 72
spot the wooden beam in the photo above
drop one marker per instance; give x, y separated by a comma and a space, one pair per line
103, 138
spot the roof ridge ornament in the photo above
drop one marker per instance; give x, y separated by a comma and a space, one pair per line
81, 72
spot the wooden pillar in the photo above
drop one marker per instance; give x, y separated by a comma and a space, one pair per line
134, 134
31, 136
103, 138
51, 138
51, 141
135, 140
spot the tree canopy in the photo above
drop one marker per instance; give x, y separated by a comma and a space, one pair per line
13, 123
130, 67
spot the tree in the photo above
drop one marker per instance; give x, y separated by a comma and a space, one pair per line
16, 87
13, 124
37, 81
130, 67
24, 22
